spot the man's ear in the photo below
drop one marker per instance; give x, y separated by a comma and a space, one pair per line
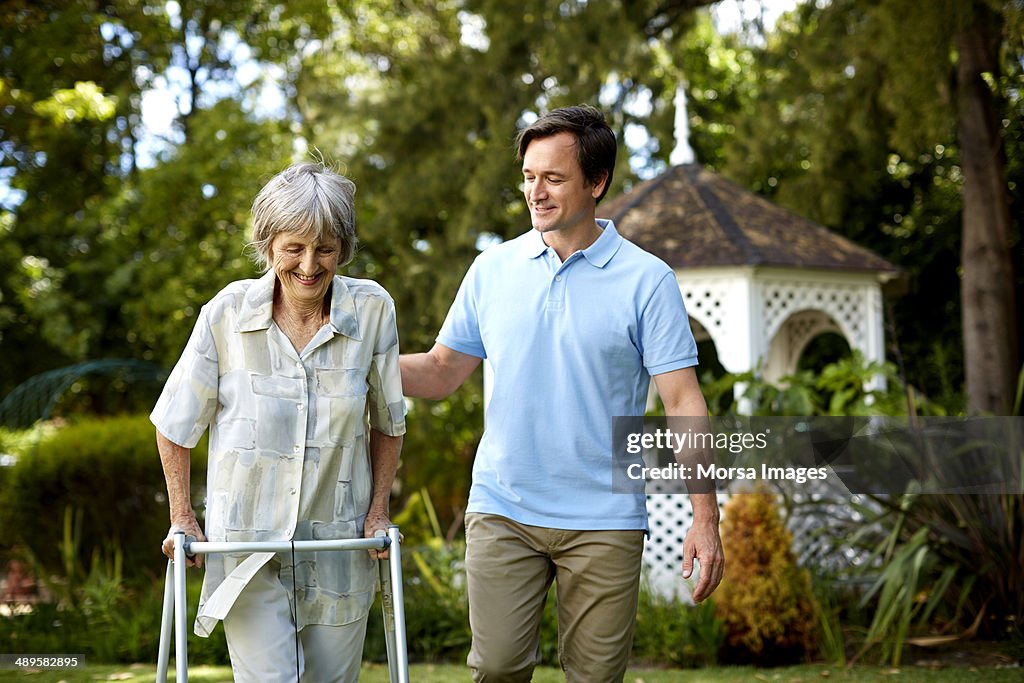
599, 186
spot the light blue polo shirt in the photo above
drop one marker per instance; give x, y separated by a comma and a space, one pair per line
571, 345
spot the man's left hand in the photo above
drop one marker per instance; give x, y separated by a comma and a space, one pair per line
704, 543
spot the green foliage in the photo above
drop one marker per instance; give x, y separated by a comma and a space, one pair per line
848, 386
69, 114
830, 637
437, 611
765, 598
108, 250
104, 476
108, 621
670, 632
437, 456
111, 251
900, 597
950, 564
85, 101
853, 124
169, 265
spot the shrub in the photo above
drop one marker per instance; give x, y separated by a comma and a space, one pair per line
765, 598
673, 633
108, 623
105, 474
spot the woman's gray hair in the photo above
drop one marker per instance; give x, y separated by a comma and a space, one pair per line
306, 198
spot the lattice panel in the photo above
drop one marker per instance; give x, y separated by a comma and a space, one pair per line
800, 329
706, 303
845, 304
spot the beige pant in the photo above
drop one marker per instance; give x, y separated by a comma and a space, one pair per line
261, 638
510, 566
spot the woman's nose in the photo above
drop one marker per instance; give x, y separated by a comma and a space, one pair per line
308, 261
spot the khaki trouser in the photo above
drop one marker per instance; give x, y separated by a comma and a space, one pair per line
510, 566
261, 638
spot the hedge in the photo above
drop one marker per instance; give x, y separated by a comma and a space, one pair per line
105, 475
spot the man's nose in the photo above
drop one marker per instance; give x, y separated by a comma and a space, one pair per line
537, 191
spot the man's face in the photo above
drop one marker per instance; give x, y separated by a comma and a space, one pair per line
558, 194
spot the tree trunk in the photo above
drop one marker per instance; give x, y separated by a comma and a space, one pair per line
987, 288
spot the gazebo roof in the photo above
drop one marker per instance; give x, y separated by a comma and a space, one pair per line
691, 217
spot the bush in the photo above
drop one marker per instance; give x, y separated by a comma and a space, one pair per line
673, 633
765, 598
105, 475
108, 623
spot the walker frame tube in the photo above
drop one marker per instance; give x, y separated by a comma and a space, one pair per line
166, 626
175, 597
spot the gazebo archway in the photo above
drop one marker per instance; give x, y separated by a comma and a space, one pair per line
794, 335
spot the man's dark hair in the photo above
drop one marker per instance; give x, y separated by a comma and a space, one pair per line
595, 141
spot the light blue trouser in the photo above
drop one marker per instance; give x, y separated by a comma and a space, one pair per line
261, 638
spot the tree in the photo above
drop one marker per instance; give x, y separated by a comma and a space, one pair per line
107, 256
874, 130
989, 301
69, 93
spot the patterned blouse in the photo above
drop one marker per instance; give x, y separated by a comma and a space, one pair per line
288, 455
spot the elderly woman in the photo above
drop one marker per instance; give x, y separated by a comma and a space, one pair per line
296, 375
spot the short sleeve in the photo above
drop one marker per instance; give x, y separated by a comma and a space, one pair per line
666, 340
461, 328
188, 401
385, 401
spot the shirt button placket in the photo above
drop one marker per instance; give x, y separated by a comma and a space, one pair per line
300, 422
556, 292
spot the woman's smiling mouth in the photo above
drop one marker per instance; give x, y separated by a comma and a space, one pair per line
303, 280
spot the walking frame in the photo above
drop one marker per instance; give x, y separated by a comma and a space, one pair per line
392, 600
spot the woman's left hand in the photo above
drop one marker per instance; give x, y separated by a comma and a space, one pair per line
378, 522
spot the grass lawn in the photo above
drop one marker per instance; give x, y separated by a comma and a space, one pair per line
429, 673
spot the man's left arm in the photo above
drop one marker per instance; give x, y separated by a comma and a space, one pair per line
680, 393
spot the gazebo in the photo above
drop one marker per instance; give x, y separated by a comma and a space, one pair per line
759, 282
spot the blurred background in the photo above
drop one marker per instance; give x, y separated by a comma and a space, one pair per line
134, 135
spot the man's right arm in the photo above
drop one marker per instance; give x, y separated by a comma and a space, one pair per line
436, 373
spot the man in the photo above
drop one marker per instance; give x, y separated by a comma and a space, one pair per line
574, 321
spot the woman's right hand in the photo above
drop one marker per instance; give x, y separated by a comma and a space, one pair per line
191, 528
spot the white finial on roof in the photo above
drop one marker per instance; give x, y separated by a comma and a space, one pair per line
682, 153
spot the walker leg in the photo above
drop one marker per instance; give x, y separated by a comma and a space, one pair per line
388, 607
395, 562
180, 610
166, 625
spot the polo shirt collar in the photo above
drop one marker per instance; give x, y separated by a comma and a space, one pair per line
597, 254
257, 309
604, 247
533, 245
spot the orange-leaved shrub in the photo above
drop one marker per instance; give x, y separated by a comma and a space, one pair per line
765, 599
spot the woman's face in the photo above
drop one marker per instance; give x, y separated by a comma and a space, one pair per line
304, 266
